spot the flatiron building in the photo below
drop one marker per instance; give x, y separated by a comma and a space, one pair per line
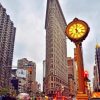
56, 76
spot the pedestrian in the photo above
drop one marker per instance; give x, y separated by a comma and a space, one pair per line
0, 97
13, 98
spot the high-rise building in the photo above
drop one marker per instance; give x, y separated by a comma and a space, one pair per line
56, 75
75, 71
95, 79
25, 64
44, 72
97, 69
7, 37
26, 74
71, 77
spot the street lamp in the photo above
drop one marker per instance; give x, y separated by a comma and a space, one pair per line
77, 31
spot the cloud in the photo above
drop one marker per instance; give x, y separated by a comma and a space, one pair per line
11, 9
30, 32
89, 12
29, 19
39, 73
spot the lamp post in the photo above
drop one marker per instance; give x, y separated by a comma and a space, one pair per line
77, 31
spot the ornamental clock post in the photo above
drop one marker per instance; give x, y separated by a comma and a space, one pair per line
77, 31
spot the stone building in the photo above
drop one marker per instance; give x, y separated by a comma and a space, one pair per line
27, 76
72, 76
7, 38
96, 70
56, 74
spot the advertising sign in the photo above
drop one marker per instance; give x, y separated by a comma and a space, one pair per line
21, 73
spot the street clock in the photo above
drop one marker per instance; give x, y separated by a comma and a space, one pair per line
77, 30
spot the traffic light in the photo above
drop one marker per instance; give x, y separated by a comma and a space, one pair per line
86, 75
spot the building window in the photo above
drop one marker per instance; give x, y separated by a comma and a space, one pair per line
54, 78
51, 65
51, 55
51, 85
51, 78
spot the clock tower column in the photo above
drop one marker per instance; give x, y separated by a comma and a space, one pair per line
81, 87
77, 31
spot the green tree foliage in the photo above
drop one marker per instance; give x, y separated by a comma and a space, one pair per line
4, 91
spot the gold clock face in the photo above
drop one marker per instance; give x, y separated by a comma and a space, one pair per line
77, 30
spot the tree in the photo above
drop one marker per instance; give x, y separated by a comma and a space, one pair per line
4, 91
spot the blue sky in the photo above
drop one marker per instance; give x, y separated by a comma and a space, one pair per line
29, 19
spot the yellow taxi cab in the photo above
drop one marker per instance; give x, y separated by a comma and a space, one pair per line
95, 96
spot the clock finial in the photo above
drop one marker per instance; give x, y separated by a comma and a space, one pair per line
75, 19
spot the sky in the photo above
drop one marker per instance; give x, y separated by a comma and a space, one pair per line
29, 19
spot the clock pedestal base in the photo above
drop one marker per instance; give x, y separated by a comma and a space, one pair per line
81, 96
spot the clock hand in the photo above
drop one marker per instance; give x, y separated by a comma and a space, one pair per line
76, 29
